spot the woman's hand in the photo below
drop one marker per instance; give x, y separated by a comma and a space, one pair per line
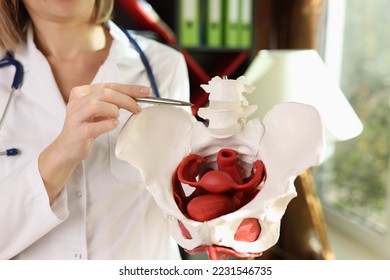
92, 110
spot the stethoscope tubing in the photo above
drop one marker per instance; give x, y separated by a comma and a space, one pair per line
9, 60
5, 111
145, 62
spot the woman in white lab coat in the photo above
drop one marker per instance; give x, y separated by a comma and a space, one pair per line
66, 195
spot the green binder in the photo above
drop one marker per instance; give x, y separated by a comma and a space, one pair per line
214, 23
246, 23
231, 23
189, 23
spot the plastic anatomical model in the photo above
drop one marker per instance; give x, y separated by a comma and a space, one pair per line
225, 186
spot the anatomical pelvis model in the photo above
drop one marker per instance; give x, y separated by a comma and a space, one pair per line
223, 184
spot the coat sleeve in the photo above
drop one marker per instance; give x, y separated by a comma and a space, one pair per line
25, 212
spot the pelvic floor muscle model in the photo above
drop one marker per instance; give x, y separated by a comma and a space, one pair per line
223, 187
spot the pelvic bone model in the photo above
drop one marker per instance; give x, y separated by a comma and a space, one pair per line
223, 187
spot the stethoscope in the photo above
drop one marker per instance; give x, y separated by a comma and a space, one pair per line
9, 60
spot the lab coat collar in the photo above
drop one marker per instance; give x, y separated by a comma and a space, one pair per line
39, 82
130, 57
24, 52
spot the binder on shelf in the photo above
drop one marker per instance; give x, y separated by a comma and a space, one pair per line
214, 23
189, 23
231, 23
246, 23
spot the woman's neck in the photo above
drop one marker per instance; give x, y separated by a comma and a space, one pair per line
69, 41
75, 53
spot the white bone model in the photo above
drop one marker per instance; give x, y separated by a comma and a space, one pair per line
209, 207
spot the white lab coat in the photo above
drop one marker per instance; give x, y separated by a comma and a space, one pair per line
104, 211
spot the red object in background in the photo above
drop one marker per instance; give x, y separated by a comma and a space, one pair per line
145, 20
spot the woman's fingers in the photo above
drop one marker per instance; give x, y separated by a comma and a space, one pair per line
130, 90
96, 110
99, 105
93, 110
121, 95
95, 129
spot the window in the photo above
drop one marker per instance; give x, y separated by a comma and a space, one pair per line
354, 183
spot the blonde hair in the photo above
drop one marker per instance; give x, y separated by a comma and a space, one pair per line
13, 19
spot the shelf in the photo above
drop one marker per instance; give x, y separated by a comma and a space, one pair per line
203, 62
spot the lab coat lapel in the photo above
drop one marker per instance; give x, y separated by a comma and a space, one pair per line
125, 60
121, 67
39, 83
